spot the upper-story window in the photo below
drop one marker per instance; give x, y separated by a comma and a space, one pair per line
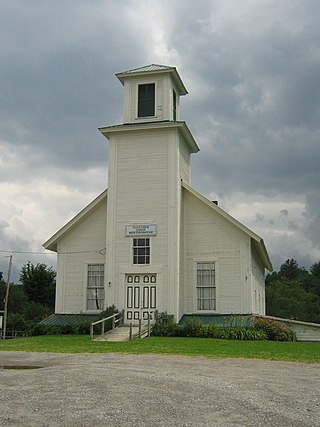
146, 100
141, 251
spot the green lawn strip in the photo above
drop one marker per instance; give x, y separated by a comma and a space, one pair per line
286, 351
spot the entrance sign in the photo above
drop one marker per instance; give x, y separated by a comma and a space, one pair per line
141, 230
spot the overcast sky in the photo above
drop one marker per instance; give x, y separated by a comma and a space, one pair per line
252, 69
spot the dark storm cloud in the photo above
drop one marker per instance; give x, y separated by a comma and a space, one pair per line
312, 215
57, 63
252, 70
258, 101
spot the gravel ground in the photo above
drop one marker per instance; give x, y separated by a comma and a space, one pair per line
152, 390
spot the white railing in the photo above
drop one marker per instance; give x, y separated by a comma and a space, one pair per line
144, 329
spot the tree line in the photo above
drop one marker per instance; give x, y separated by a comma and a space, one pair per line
293, 292
31, 301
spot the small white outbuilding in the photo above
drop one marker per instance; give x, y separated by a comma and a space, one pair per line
150, 241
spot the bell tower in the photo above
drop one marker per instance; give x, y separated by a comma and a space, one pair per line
149, 155
152, 93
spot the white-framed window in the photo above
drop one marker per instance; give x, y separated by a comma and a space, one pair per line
206, 286
141, 250
95, 286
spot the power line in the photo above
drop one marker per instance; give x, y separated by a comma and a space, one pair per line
101, 252
27, 252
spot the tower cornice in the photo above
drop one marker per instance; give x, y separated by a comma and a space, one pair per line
181, 126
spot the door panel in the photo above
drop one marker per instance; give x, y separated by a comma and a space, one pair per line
141, 299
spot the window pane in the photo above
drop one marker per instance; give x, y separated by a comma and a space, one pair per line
95, 287
174, 104
141, 251
206, 291
146, 100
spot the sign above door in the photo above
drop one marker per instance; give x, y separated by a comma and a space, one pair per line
141, 230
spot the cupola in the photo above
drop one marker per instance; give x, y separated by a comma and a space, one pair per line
151, 94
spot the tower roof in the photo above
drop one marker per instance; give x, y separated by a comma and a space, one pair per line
154, 69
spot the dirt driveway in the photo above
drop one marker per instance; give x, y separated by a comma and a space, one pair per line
151, 390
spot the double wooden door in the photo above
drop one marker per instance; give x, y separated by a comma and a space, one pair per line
141, 297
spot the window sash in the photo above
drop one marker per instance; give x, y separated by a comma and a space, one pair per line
141, 251
95, 286
174, 105
146, 100
206, 286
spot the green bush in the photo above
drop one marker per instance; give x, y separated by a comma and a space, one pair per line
109, 311
263, 329
165, 326
193, 328
81, 329
18, 322
243, 334
213, 331
275, 330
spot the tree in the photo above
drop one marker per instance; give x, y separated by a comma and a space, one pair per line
315, 270
293, 292
288, 299
290, 269
315, 275
38, 282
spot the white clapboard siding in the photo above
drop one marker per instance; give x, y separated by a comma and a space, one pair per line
143, 189
80, 246
184, 161
208, 236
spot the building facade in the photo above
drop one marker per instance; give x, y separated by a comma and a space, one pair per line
150, 241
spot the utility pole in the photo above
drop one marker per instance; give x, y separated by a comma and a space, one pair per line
6, 300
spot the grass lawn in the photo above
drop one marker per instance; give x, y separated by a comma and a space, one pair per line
287, 351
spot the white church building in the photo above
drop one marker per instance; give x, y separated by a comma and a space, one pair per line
150, 241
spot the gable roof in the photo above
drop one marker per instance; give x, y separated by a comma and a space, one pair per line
256, 240
51, 244
155, 69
